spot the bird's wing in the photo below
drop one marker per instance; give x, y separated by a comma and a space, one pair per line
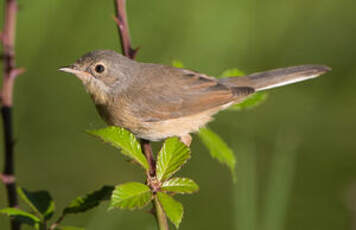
164, 92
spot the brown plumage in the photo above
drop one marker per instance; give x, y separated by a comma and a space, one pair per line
156, 101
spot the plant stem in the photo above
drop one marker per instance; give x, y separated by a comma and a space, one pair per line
160, 215
147, 150
10, 73
123, 28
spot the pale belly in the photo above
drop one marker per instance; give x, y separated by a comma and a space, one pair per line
157, 130
174, 127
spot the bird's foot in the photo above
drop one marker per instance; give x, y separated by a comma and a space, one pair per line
186, 139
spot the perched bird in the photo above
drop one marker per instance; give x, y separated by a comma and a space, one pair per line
156, 101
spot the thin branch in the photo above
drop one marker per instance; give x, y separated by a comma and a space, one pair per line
10, 73
147, 150
123, 28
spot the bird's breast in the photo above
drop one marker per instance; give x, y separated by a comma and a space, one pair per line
118, 113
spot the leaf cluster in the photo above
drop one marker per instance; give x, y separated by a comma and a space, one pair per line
163, 186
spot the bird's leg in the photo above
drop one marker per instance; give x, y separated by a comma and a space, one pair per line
186, 139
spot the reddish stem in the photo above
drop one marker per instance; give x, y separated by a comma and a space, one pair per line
6, 93
146, 148
123, 28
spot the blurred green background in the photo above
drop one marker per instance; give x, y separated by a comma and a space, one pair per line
311, 187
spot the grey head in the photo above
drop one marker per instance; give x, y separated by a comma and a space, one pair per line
101, 71
104, 65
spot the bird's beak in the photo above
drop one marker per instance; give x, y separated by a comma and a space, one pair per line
70, 69
74, 69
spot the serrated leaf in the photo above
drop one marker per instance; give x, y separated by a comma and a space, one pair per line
231, 73
69, 228
89, 201
131, 196
177, 64
40, 202
180, 185
218, 149
172, 156
21, 216
124, 140
173, 209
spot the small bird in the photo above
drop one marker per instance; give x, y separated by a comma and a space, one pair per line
156, 101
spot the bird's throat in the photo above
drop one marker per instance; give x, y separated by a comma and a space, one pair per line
98, 91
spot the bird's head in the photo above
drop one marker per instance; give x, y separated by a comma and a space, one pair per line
101, 72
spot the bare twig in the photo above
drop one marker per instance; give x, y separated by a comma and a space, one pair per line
123, 28
147, 150
10, 73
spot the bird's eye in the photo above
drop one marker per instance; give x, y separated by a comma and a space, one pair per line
99, 68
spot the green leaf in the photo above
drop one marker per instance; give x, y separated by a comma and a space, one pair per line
171, 158
69, 228
231, 73
218, 149
89, 201
123, 139
251, 101
171, 207
177, 64
40, 202
21, 216
180, 185
131, 196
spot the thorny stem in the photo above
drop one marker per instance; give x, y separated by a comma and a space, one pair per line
10, 73
123, 28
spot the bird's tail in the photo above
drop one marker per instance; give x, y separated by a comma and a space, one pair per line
276, 78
